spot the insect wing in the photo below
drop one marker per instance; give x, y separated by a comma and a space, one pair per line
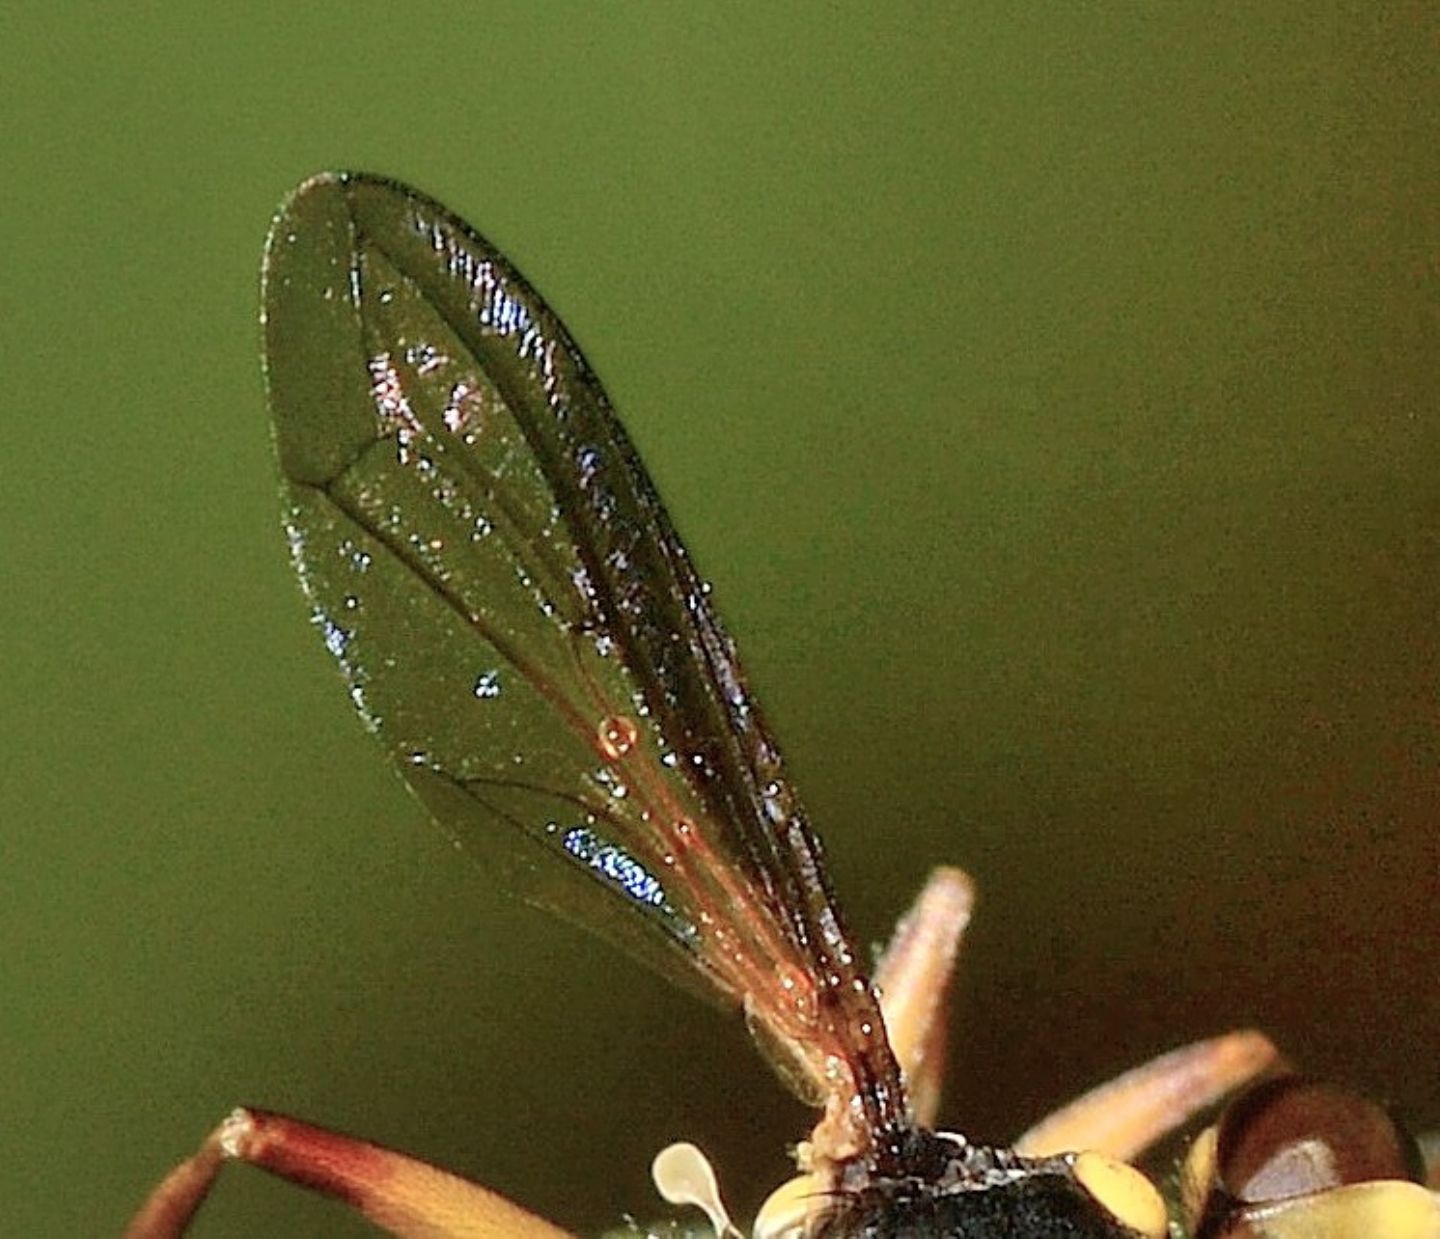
520, 625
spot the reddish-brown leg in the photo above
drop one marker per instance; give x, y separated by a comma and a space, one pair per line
404, 1197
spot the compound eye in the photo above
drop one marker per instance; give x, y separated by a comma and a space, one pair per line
1293, 1136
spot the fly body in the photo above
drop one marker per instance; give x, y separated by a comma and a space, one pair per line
518, 623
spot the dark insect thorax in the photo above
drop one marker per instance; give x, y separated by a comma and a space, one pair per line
949, 1189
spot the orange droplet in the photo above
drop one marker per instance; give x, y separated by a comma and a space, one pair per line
615, 736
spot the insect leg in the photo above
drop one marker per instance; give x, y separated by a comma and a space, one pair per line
1123, 1116
913, 978
404, 1197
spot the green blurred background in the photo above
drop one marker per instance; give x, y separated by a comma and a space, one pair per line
1050, 392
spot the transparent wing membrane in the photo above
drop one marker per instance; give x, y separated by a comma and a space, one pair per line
520, 625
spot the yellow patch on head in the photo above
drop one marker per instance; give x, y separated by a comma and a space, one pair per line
1125, 1193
